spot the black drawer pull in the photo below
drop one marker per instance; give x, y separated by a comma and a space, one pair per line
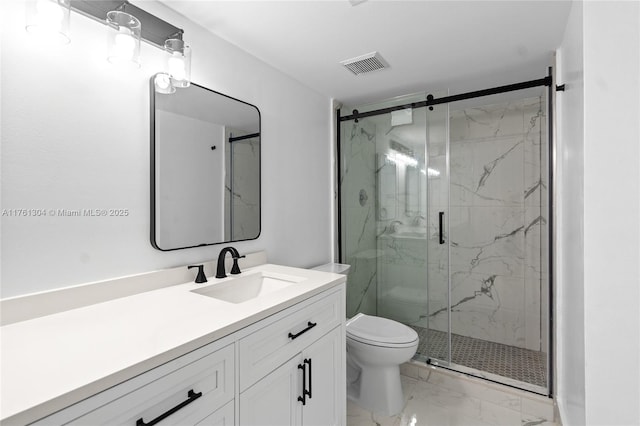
441, 227
310, 325
192, 397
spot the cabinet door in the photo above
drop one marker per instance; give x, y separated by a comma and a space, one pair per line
327, 383
273, 401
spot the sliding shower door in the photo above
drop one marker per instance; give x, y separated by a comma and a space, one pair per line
495, 236
443, 219
383, 212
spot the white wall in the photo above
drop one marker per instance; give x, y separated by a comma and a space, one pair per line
612, 212
570, 356
75, 135
599, 191
185, 161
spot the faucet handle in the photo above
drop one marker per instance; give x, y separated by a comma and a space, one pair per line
201, 278
235, 269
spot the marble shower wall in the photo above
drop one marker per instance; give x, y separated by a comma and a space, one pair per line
242, 194
401, 218
358, 214
496, 212
497, 220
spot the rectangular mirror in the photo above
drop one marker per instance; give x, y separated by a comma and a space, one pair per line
205, 167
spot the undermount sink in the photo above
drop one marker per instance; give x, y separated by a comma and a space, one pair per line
243, 288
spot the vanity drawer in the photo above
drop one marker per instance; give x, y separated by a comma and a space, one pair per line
224, 416
193, 392
269, 347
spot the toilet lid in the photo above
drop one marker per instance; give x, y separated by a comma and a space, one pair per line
376, 330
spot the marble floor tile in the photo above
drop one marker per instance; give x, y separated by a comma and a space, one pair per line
430, 404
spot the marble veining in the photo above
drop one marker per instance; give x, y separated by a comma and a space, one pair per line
437, 398
488, 282
497, 221
488, 168
357, 186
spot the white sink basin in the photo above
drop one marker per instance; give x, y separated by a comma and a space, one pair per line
242, 288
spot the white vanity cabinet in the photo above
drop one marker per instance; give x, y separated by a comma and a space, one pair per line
286, 369
196, 388
303, 391
292, 370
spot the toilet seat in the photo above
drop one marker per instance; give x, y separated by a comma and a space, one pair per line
377, 331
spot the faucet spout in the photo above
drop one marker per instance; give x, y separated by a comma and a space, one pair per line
220, 270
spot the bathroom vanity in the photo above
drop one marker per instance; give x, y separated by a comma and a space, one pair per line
273, 352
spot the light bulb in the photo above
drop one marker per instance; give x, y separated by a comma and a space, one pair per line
163, 84
123, 39
125, 45
176, 66
47, 18
163, 81
49, 14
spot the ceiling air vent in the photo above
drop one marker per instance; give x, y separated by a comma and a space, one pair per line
365, 63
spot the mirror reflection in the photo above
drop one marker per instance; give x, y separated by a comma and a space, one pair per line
205, 168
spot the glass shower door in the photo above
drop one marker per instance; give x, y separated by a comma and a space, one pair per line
444, 222
435, 344
383, 208
497, 238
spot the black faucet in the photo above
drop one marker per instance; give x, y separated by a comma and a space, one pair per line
201, 278
235, 269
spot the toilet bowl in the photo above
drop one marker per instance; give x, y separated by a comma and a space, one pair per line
375, 349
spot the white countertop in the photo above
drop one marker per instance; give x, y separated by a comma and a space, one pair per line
51, 362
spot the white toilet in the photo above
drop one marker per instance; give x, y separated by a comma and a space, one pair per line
375, 349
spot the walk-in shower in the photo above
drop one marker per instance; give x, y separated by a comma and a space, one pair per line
444, 221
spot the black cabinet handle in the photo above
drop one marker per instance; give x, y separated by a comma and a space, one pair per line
441, 226
303, 398
310, 325
192, 397
308, 392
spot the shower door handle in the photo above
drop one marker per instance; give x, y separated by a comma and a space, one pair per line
441, 226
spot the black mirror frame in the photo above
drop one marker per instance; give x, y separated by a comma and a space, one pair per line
152, 161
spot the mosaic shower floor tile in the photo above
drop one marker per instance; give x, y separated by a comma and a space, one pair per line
507, 361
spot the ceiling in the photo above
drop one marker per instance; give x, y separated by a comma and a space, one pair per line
429, 45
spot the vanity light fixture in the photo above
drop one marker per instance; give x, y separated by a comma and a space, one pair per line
127, 26
178, 62
162, 84
123, 39
49, 19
